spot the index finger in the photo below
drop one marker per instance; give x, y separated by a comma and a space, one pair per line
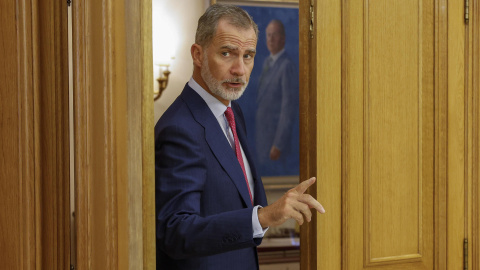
302, 187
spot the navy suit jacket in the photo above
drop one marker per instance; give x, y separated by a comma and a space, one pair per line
203, 208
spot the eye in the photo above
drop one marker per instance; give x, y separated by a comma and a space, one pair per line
225, 53
248, 56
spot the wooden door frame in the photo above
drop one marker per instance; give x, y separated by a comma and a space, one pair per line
475, 83
38, 207
117, 93
320, 145
308, 146
113, 134
322, 56
42, 217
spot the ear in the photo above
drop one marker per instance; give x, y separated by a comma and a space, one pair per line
197, 55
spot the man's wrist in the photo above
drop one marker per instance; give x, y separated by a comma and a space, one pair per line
261, 218
258, 229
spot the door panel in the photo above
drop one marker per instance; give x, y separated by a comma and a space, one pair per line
395, 78
389, 134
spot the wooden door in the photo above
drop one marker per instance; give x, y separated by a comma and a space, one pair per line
388, 148
386, 127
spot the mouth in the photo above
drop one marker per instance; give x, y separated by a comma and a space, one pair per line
234, 83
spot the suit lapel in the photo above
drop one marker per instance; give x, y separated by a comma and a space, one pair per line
216, 140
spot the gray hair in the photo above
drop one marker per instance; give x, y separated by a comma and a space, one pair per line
207, 24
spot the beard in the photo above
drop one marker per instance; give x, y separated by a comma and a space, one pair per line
218, 88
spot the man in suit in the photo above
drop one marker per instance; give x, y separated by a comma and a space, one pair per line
211, 208
276, 118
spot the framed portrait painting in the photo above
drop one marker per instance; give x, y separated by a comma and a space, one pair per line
270, 103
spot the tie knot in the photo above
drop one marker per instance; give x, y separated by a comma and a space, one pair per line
230, 117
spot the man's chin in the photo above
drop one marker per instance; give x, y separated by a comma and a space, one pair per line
234, 93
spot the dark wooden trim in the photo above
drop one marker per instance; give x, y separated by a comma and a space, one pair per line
51, 129
278, 255
26, 172
308, 131
80, 99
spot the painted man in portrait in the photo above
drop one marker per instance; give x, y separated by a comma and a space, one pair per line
277, 107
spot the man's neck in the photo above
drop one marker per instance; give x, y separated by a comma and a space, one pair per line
277, 55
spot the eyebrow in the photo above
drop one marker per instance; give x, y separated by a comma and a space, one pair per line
235, 48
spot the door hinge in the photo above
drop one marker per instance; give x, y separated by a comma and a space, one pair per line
465, 254
311, 19
466, 11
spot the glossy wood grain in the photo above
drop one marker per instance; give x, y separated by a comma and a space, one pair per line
402, 105
113, 125
34, 153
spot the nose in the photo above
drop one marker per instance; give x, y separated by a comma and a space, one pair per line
238, 67
269, 38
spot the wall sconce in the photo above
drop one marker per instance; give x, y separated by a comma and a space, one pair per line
162, 81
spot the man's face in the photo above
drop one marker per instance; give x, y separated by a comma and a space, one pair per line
275, 39
228, 61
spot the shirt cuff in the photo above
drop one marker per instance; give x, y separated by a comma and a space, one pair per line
258, 231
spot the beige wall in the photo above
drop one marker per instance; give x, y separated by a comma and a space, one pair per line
175, 22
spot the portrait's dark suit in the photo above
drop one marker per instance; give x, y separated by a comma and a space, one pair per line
276, 118
203, 208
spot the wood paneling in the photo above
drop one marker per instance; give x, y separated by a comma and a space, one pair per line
388, 130
34, 131
328, 115
113, 135
441, 165
26, 136
10, 164
390, 100
409, 133
51, 133
393, 105
475, 82
456, 134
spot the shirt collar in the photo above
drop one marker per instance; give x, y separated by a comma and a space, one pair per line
276, 56
217, 107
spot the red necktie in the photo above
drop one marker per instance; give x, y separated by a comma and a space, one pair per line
238, 152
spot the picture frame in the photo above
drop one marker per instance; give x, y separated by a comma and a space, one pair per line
271, 3
283, 172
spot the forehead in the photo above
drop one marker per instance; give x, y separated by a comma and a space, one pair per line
273, 27
228, 34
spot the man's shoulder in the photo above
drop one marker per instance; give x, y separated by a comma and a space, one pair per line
178, 113
180, 107
285, 58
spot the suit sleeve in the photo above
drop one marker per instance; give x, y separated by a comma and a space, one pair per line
180, 174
